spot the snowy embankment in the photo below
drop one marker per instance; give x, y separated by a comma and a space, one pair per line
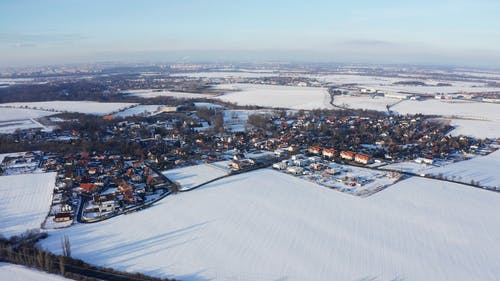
24, 201
14, 272
276, 96
192, 176
266, 225
87, 107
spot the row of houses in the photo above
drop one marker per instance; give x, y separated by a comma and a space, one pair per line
344, 154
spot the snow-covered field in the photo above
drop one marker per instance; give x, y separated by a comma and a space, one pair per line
385, 84
484, 117
364, 102
227, 74
24, 201
14, 272
409, 167
476, 128
482, 169
88, 107
276, 96
266, 225
12, 119
140, 110
10, 127
152, 93
191, 176
464, 109
13, 114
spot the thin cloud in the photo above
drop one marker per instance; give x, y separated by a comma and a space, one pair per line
14, 38
369, 43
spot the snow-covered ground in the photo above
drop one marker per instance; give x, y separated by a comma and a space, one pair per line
385, 84
483, 118
191, 176
24, 201
13, 114
10, 127
476, 128
12, 119
227, 74
482, 169
14, 272
88, 107
266, 225
364, 102
464, 109
276, 96
207, 105
409, 167
140, 110
153, 93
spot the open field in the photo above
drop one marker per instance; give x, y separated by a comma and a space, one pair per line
192, 176
364, 102
24, 201
476, 128
15, 114
482, 169
227, 74
12, 119
464, 109
266, 225
153, 93
385, 84
88, 107
276, 96
139, 110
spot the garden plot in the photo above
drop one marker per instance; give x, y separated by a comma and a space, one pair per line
20, 163
349, 179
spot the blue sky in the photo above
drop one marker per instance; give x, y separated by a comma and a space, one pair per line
421, 32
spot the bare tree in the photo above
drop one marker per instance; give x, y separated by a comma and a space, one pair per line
66, 246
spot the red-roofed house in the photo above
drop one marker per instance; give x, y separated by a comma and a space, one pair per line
363, 158
349, 155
